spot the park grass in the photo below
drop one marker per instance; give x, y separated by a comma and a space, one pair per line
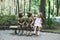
51, 30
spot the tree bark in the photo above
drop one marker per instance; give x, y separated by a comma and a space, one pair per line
24, 6
57, 7
42, 9
18, 6
29, 5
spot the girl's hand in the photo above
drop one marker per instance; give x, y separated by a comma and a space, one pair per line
40, 22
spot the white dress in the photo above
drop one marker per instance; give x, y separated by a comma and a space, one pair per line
38, 22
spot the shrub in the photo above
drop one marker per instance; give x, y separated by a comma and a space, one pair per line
8, 20
52, 24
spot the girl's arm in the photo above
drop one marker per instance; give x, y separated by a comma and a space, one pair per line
41, 20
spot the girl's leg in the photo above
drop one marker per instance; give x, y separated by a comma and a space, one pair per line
35, 29
38, 32
38, 28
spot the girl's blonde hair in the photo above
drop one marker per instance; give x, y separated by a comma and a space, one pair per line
40, 14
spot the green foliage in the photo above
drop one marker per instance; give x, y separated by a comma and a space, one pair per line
8, 20
49, 22
35, 3
1, 0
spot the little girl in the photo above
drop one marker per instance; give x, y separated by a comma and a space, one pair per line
38, 23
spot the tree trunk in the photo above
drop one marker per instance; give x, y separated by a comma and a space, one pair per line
42, 9
29, 5
49, 10
57, 7
18, 6
24, 6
